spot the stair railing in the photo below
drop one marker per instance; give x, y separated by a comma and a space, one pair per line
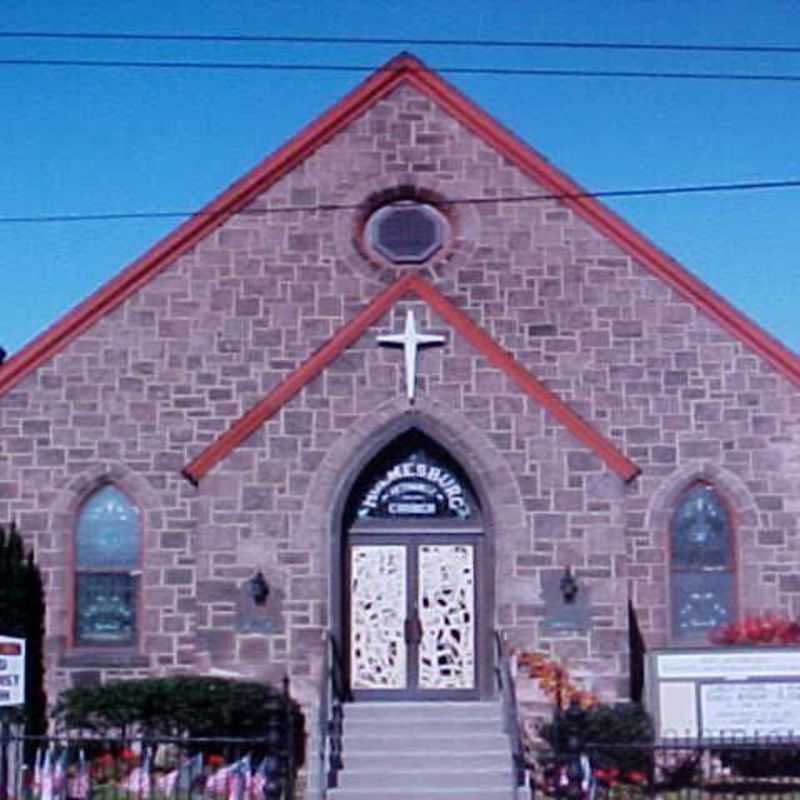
508, 696
333, 695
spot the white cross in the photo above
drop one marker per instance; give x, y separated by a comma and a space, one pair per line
411, 341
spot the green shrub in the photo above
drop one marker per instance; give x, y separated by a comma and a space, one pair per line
182, 706
22, 612
616, 736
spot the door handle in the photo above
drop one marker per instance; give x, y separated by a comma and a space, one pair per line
412, 629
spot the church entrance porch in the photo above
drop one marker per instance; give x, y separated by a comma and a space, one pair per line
412, 614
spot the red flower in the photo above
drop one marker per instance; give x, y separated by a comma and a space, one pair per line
758, 629
790, 633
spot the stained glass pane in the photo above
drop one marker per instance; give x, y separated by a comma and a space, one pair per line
105, 608
701, 530
108, 531
701, 601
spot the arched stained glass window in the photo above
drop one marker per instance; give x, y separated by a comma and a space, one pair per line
107, 557
702, 565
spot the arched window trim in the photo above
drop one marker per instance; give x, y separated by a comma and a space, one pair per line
133, 645
731, 566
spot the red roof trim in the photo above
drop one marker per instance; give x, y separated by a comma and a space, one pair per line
599, 216
285, 391
409, 284
402, 68
504, 361
175, 244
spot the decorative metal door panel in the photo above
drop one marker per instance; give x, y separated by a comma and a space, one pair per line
378, 601
446, 608
412, 618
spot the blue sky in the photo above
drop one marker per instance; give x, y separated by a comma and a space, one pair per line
87, 140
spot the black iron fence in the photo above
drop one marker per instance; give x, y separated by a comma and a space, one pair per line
675, 770
157, 768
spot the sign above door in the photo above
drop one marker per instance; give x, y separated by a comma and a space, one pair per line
416, 487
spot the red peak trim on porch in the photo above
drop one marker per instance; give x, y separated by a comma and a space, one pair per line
410, 284
404, 68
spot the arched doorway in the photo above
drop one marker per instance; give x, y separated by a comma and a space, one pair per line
414, 560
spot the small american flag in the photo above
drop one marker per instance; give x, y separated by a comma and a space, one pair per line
139, 781
79, 787
181, 779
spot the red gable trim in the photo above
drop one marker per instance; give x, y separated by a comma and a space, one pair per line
183, 238
285, 391
403, 68
523, 156
504, 361
353, 330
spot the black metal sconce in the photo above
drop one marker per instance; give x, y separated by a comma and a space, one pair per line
258, 589
568, 586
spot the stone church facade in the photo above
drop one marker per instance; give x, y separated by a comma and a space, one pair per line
224, 407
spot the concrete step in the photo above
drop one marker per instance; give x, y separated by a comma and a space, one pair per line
422, 711
425, 779
422, 741
424, 751
426, 759
407, 726
422, 794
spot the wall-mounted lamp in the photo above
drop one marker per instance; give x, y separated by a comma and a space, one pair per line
568, 586
258, 589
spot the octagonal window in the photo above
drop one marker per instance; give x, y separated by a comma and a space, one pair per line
407, 232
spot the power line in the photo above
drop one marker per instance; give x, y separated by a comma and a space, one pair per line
500, 71
408, 41
708, 188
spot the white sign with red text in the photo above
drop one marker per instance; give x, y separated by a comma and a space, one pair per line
12, 671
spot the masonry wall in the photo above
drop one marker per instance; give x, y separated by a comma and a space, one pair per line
159, 379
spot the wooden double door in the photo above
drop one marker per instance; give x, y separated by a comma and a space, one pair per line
412, 613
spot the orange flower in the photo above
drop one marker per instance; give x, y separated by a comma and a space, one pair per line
554, 680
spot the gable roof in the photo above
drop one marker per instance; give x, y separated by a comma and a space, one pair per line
404, 68
409, 284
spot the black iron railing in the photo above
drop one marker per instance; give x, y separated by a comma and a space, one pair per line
679, 769
637, 653
81, 766
335, 693
508, 695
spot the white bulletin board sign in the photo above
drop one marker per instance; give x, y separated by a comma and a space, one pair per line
12, 671
747, 693
751, 710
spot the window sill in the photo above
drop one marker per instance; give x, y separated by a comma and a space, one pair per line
123, 659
